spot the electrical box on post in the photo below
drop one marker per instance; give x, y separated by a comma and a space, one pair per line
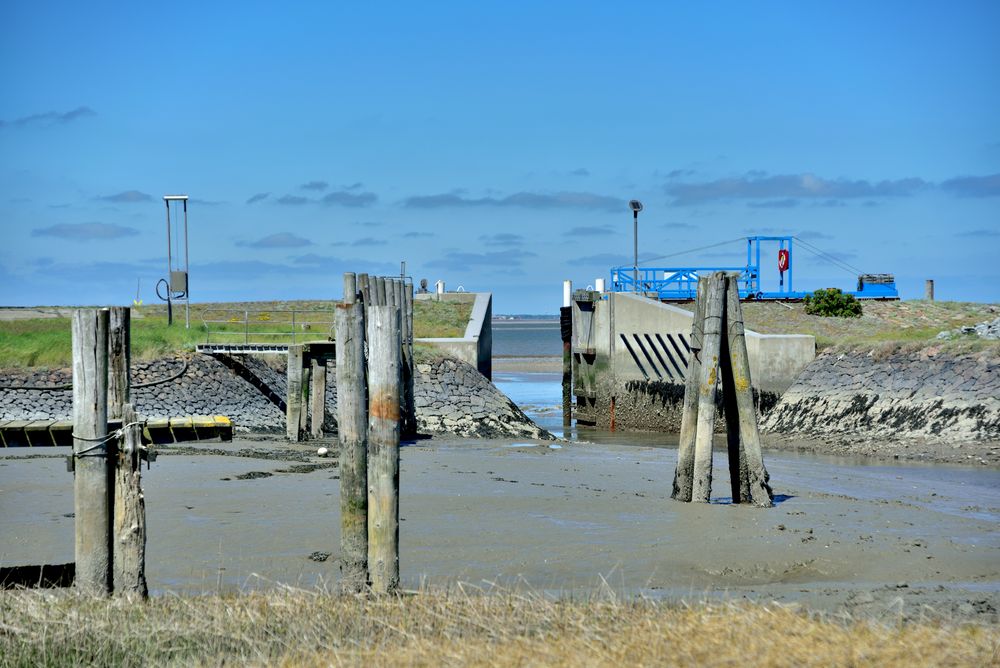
179, 282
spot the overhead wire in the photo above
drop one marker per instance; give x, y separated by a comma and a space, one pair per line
820, 253
828, 257
694, 250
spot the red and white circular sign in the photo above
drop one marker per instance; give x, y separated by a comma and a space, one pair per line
783, 260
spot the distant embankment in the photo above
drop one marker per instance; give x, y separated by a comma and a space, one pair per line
931, 395
451, 396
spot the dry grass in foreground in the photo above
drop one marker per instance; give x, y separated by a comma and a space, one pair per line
459, 628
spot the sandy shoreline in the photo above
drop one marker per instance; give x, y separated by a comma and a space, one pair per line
864, 540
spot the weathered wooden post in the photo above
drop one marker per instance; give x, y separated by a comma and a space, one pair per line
739, 485
119, 360
394, 290
392, 294
92, 497
304, 398
379, 296
129, 550
128, 547
709, 379
317, 397
409, 366
352, 426
383, 447
756, 475
566, 334
293, 398
363, 289
929, 289
684, 474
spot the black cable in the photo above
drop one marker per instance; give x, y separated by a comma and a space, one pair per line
695, 250
829, 258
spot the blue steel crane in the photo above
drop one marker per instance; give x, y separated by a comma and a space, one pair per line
680, 283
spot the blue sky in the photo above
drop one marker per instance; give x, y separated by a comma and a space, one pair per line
493, 145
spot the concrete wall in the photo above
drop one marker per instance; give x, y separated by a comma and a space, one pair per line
630, 358
476, 347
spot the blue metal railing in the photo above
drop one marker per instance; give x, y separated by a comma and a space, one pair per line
681, 283
678, 283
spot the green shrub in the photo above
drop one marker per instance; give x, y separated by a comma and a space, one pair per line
831, 302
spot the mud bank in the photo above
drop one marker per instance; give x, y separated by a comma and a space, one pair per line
903, 541
929, 404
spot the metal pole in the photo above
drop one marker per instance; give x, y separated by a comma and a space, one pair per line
635, 250
789, 265
170, 256
187, 276
170, 264
758, 266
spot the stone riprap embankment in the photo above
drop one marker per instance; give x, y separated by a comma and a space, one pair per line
199, 385
933, 396
450, 395
989, 330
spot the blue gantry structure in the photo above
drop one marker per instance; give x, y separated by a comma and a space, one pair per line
681, 283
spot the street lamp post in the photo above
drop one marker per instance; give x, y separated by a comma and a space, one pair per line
636, 207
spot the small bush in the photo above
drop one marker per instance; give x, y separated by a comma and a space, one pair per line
831, 302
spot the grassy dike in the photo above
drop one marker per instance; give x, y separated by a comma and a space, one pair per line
461, 627
46, 342
907, 324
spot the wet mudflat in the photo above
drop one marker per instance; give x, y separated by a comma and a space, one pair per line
577, 518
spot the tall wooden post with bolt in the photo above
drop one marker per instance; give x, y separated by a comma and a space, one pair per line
352, 425
684, 475
92, 497
129, 550
119, 360
719, 356
383, 447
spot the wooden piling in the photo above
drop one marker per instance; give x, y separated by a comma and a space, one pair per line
352, 427
756, 473
739, 484
566, 334
363, 288
293, 397
392, 293
304, 398
684, 473
409, 366
119, 360
317, 398
701, 488
129, 553
92, 496
379, 296
351, 284
395, 298
383, 447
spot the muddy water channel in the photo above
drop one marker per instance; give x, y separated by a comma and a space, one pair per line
589, 514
